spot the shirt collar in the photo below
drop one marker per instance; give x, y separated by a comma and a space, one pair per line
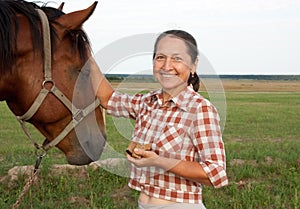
182, 100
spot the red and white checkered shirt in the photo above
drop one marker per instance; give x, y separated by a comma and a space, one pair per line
185, 128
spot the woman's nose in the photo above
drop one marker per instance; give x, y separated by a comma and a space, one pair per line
168, 65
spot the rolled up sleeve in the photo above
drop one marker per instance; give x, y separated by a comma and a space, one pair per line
210, 146
123, 105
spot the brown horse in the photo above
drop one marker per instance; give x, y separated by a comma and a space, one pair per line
22, 76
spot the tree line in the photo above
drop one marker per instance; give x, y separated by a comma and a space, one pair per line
146, 77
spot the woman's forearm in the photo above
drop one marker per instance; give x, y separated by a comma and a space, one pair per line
101, 85
190, 170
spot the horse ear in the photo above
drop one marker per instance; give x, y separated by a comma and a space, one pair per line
60, 8
74, 20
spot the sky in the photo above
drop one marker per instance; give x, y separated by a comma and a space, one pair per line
233, 36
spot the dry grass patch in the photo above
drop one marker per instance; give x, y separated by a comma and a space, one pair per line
227, 84
261, 86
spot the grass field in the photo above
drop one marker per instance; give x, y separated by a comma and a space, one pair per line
261, 136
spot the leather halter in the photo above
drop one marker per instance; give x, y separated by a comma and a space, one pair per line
77, 114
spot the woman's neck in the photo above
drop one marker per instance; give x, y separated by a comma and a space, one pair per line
166, 97
169, 94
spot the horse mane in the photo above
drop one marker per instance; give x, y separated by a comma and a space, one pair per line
9, 28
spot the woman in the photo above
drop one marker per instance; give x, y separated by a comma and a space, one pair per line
181, 126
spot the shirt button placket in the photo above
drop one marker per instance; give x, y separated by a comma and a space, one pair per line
143, 178
142, 181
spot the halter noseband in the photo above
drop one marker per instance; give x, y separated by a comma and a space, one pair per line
77, 114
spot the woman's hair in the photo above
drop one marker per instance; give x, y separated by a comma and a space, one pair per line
191, 44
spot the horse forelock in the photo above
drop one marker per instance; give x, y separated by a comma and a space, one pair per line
9, 29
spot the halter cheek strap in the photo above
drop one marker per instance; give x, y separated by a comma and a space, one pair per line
77, 114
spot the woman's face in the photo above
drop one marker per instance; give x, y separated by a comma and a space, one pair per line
172, 64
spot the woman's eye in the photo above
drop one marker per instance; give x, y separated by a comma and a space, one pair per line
159, 57
177, 59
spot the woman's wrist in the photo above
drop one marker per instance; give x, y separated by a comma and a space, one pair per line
166, 163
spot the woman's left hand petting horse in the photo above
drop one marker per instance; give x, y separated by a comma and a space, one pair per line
44, 77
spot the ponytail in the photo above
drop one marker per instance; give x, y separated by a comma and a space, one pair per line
195, 81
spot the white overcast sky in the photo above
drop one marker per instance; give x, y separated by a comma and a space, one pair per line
236, 36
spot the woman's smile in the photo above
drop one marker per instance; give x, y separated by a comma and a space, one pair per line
168, 75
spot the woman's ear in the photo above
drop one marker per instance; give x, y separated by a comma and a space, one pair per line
194, 66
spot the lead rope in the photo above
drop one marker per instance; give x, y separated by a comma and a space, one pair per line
47, 72
25, 190
30, 181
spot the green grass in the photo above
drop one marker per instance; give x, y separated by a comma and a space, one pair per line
262, 140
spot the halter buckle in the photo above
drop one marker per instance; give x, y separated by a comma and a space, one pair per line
78, 116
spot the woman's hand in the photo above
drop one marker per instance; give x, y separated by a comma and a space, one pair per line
149, 158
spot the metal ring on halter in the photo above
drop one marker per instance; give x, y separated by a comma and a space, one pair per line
52, 83
40, 152
48, 81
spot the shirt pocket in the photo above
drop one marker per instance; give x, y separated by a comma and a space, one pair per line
171, 139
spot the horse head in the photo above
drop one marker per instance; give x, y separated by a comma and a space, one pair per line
22, 76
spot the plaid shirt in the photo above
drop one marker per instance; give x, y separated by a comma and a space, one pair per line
185, 128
